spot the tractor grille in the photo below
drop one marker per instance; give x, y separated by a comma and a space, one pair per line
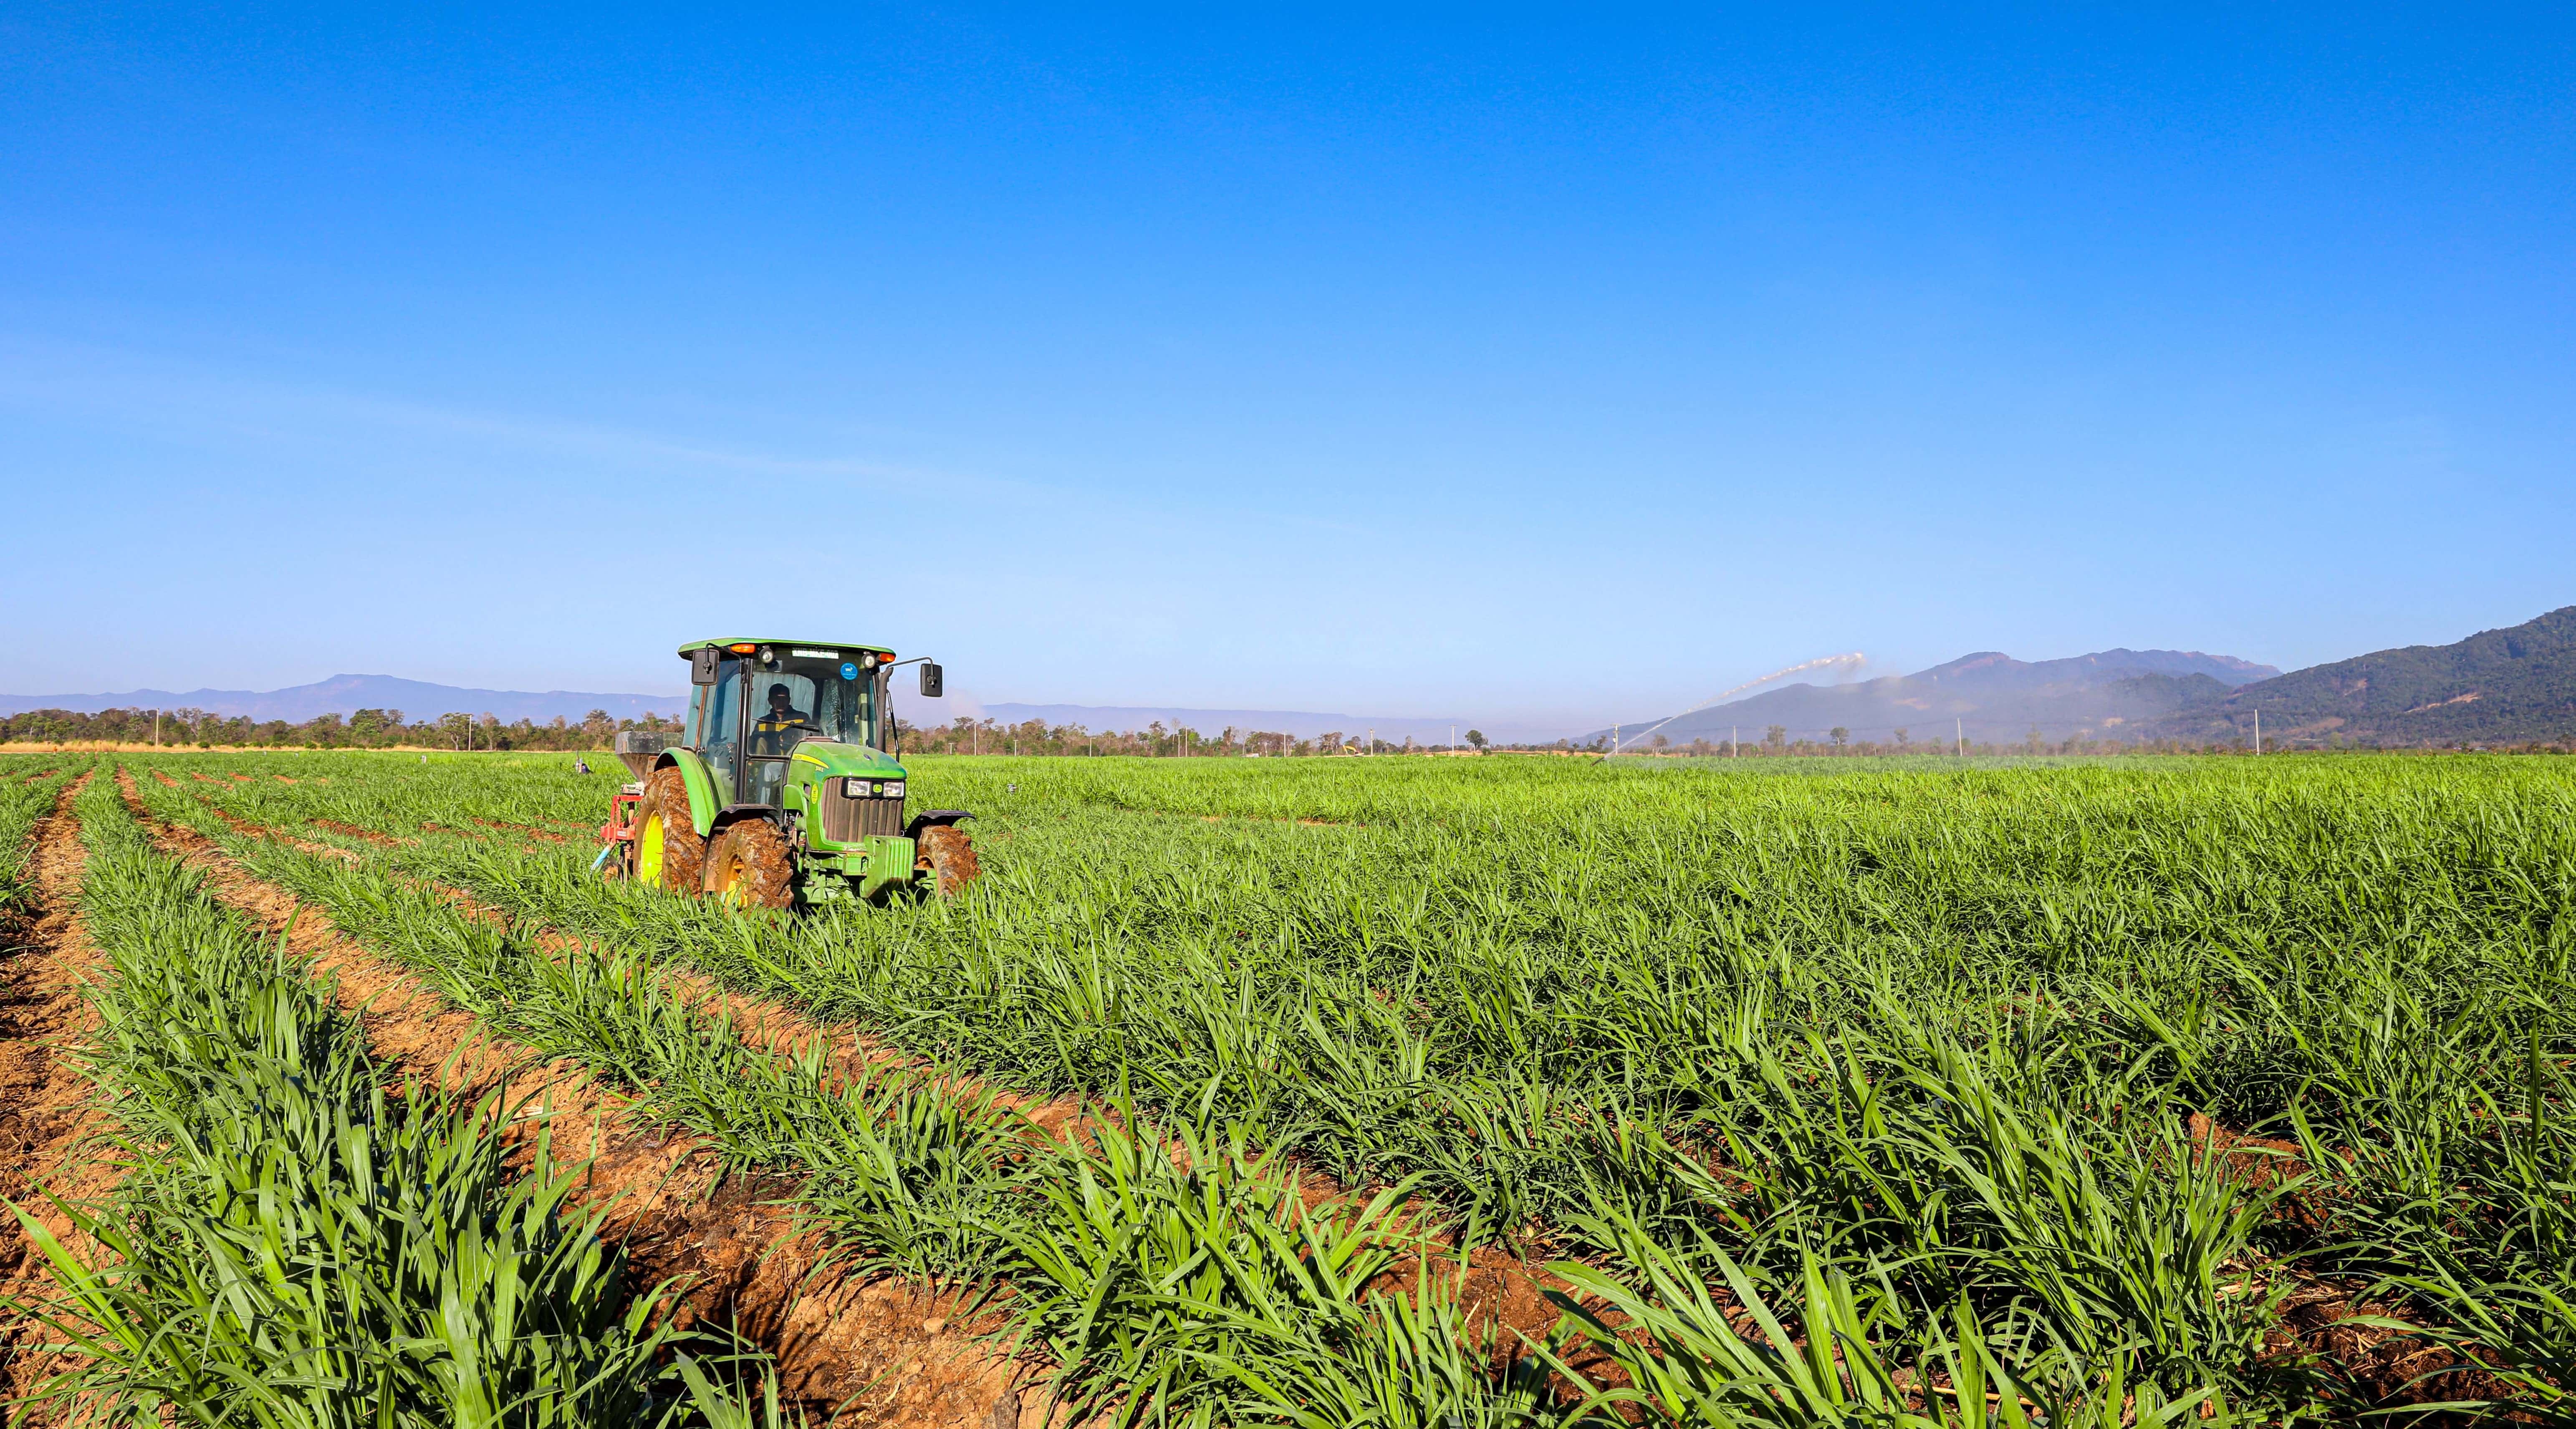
845, 819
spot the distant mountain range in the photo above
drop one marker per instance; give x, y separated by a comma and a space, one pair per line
344, 694
2507, 686
1988, 697
2504, 686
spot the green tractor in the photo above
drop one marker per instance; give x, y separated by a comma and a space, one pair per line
782, 786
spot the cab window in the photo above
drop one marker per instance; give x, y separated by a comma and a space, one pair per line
719, 733
848, 711
783, 715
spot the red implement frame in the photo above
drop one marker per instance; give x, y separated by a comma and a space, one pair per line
619, 832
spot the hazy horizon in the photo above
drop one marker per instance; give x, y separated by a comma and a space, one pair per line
1504, 726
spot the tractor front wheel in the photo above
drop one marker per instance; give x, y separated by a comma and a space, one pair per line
749, 865
948, 856
669, 853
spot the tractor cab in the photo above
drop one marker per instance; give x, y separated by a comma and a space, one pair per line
752, 704
784, 784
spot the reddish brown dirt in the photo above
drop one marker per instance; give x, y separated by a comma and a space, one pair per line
881, 1351
241, 825
353, 831
2373, 1366
46, 1111
166, 781
432, 827
530, 830
2262, 1162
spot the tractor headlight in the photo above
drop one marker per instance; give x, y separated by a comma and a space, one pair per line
894, 788
854, 788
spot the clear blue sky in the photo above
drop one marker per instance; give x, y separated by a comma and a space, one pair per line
1477, 362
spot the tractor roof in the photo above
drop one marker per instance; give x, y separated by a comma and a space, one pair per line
762, 640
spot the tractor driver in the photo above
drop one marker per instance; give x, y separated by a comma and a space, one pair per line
776, 730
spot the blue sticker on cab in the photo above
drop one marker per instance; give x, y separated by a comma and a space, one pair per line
849, 669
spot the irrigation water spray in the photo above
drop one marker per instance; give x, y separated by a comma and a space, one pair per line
1853, 660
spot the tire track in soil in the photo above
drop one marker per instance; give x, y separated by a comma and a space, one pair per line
47, 1105
1497, 1289
743, 1260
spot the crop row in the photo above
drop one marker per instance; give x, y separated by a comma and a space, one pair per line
28, 789
298, 1240
1949, 1031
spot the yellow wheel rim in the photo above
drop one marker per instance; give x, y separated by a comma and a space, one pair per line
648, 851
729, 875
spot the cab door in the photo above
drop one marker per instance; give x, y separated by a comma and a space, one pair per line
715, 727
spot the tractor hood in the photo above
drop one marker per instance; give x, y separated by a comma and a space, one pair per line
824, 758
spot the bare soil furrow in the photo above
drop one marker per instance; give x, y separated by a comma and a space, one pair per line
47, 1110
881, 1350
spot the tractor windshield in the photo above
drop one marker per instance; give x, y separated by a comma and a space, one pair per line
806, 699
796, 700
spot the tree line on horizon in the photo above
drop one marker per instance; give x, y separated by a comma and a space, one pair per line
362, 729
971, 735
387, 729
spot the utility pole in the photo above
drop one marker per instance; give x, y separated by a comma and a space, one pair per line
2258, 730
1960, 728
1732, 731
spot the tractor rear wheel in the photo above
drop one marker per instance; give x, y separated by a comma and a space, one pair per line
948, 856
669, 853
749, 865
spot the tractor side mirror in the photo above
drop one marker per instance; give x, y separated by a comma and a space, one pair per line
934, 681
702, 666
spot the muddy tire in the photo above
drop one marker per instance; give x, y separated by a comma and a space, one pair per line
669, 852
948, 856
749, 864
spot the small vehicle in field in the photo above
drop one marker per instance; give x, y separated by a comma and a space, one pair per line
783, 785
